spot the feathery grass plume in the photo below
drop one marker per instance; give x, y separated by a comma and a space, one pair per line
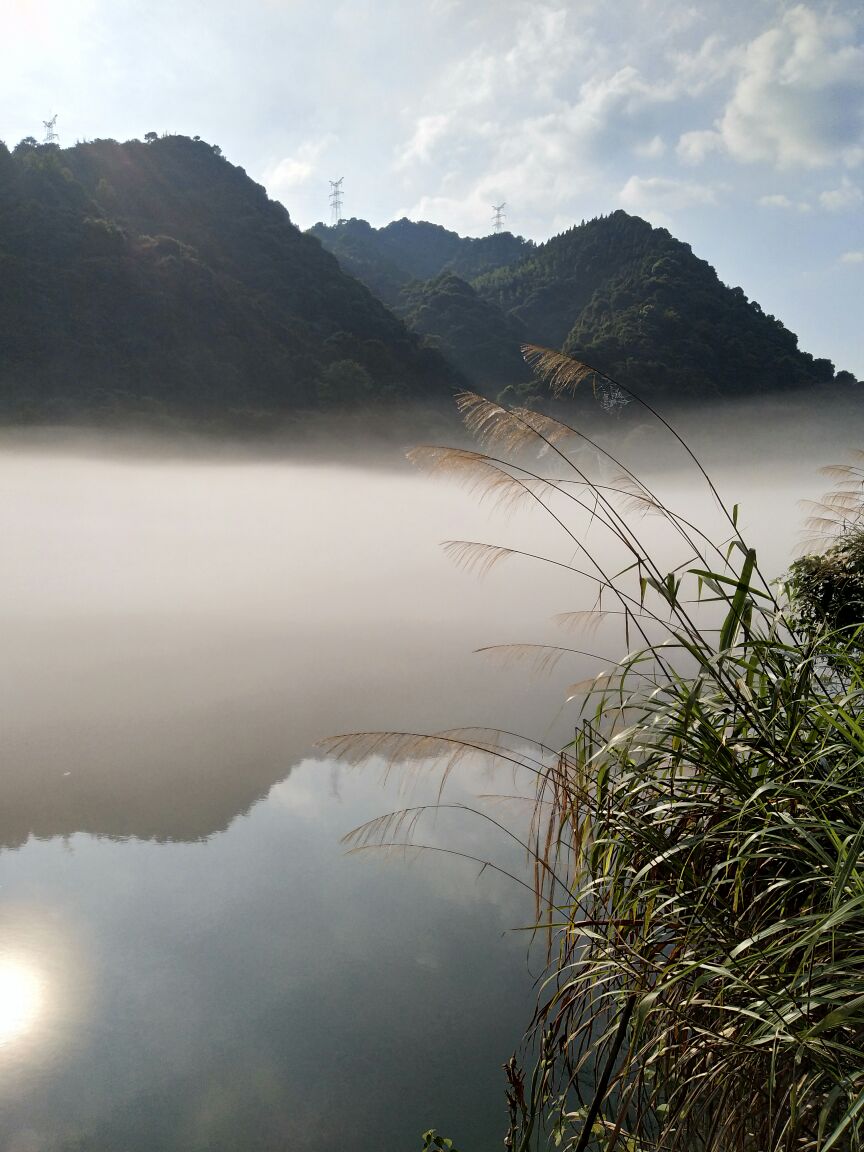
480, 474
562, 373
475, 556
396, 750
696, 850
540, 658
511, 429
586, 619
636, 497
839, 511
493, 425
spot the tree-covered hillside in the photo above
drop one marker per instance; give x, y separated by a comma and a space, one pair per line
472, 333
628, 299
635, 302
155, 276
390, 259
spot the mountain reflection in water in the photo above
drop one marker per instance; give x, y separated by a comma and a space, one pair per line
189, 960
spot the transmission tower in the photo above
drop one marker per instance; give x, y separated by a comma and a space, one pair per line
498, 218
51, 136
336, 201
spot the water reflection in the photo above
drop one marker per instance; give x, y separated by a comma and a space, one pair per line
22, 998
176, 638
264, 991
194, 963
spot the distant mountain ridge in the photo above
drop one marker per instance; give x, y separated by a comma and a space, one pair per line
157, 277
627, 298
389, 259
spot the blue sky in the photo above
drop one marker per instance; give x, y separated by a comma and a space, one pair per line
739, 126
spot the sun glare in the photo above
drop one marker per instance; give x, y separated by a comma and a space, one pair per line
20, 999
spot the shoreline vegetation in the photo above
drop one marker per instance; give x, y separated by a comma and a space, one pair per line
696, 851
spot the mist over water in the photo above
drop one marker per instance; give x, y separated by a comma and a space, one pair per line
199, 964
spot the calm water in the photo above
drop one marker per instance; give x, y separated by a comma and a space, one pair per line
188, 958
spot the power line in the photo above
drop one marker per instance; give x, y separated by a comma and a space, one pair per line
336, 201
498, 218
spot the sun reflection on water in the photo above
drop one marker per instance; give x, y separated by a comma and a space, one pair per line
21, 999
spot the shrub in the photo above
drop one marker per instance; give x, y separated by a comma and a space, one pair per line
827, 586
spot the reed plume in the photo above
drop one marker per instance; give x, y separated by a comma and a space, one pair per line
696, 851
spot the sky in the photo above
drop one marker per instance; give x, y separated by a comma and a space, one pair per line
738, 125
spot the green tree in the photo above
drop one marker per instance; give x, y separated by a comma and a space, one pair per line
345, 381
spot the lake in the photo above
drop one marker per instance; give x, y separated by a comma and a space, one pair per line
190, 959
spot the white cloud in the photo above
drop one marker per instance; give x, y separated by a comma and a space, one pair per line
658, 198
778, 200
293, 171
852, 257
624, 92
711, 62
693, 147
799, 101
847, 196
427, 132
534, 120
650, 149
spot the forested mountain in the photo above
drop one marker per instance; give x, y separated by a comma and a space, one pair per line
635, 302
628, 299
422, 271
389, 259
155, 276
477, 337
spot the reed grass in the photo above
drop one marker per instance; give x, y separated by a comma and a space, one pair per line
697, 848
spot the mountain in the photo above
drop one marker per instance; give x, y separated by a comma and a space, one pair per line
626, 298
389, 259
156, 277
636, 303
422, 271
474, 335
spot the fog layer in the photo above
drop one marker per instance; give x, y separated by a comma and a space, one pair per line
178, 634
